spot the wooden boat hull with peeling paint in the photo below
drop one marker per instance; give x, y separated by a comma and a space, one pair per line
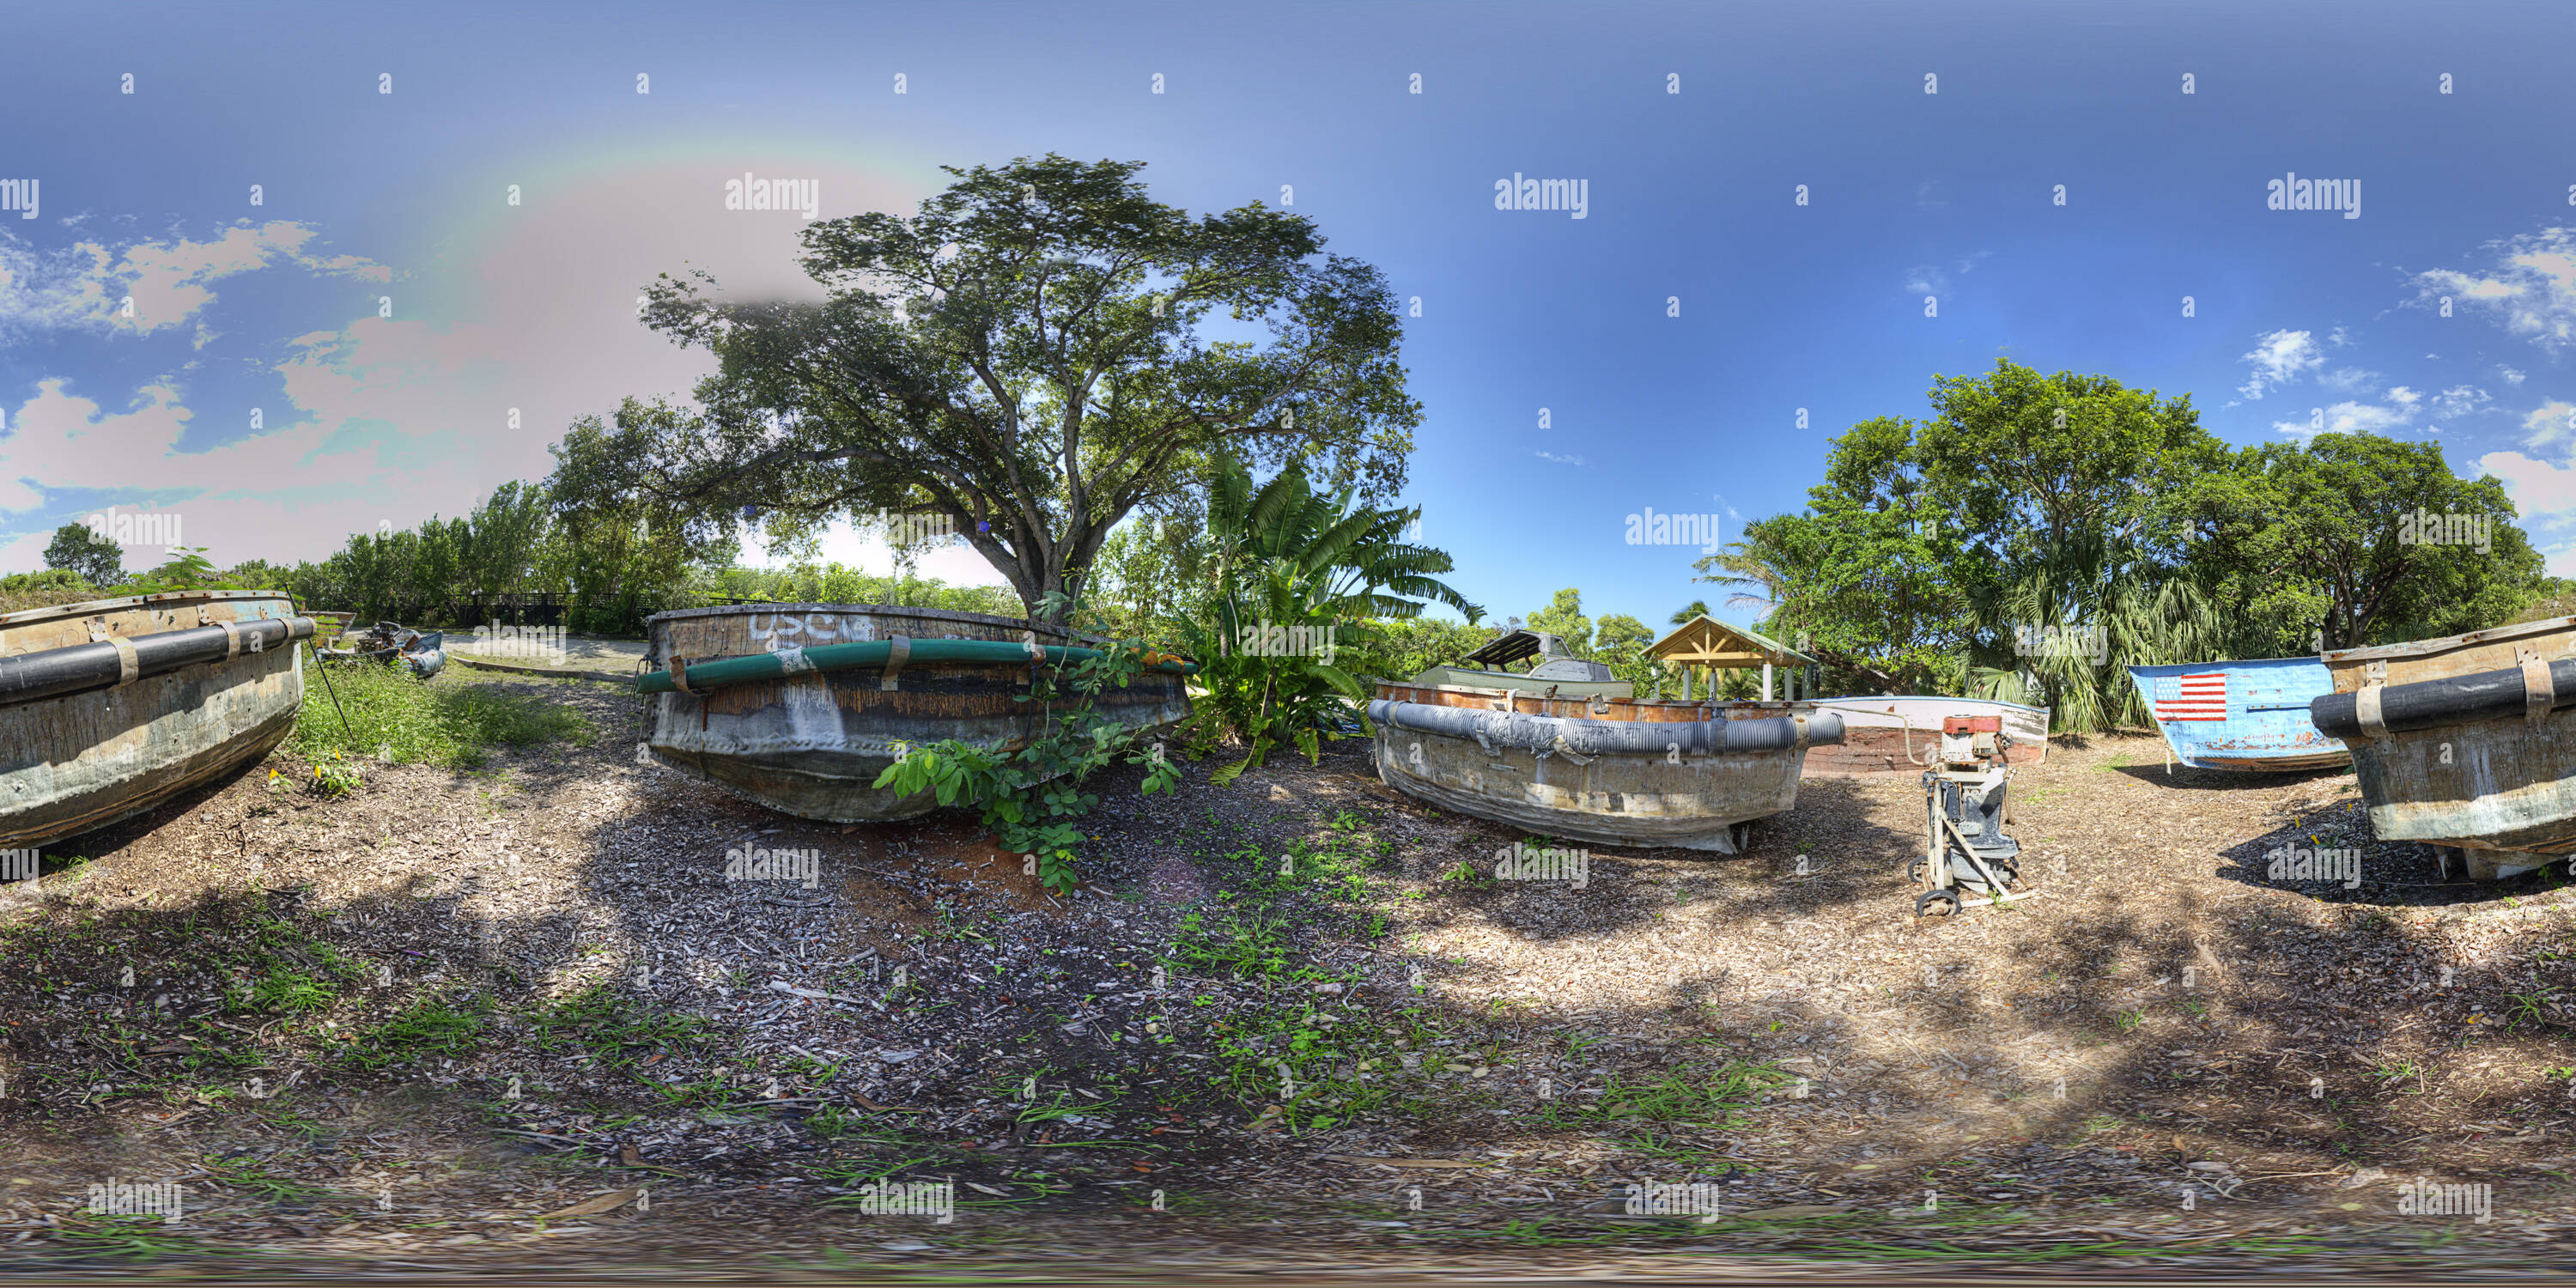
2501, 792
1704, 801
812, 744
83, 760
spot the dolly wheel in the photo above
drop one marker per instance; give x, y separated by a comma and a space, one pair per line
1947, 902
1914, 870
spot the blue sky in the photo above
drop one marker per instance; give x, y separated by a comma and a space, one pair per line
385, 309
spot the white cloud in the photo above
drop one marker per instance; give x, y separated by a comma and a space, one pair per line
2348, 380
2549, 423
1926, 279
2278, 359
1561, 460
2511, 376
2357, 418
389, 419
2531, 287
2537, 487
85, 286
2459, 400
2405, 398
2338, 337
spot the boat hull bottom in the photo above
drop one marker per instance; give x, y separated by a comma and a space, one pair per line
115, 801
2271, 764
817, 785
1704, 803
2499, 788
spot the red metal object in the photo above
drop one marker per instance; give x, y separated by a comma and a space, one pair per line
1972, 724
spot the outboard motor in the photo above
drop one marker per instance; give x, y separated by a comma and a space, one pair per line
1965, 849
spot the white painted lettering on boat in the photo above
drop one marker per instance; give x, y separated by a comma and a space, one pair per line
777, 632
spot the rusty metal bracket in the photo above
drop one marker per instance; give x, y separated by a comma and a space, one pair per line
98, 629
896, 655
2539, 691
2375, 672
680, 675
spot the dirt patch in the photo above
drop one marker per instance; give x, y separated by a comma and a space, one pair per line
1293, 1021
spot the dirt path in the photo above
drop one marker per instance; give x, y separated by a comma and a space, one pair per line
1292, 1022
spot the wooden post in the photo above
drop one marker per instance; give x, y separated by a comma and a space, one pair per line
1766, 681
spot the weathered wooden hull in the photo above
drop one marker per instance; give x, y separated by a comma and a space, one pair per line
1693, 802
813, 744
2501, 791
81, 761
1891, 735
2252, 715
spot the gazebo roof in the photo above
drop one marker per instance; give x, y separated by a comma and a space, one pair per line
1704, 641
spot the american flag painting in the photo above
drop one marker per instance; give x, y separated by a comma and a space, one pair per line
2191, 697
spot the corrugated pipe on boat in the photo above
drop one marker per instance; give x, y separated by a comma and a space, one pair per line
686, 676
32, 677
1611, 737
2530, 691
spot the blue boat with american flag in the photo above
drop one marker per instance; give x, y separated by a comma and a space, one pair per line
2250, 715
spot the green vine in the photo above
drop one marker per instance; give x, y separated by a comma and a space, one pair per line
1032, 798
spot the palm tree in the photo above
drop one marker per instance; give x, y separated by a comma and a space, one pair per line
1755, 569
2138, 614
1690, 612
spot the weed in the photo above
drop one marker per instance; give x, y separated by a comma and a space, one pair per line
1718, 1098
430, 1026
442, 721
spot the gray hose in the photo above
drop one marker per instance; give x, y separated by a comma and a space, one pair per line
1607, 737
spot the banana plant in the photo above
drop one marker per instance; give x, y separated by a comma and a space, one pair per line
1299, 574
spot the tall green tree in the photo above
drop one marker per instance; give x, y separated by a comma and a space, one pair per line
2335, 530
1034, 355
1564, 617
77, 548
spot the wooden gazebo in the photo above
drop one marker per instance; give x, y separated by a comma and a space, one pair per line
1705, 642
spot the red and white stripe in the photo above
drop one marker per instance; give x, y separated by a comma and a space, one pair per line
2191, 697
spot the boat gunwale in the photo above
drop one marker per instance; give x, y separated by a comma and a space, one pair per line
127, 603
1630, 703
2446, 643
942, 614
1921, 697
2185, 668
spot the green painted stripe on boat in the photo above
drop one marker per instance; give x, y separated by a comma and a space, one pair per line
749, 667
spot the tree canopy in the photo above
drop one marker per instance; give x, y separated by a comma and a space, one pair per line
1039, 351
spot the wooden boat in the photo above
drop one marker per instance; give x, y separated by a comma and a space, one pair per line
801, 706
2246, 715
1894, 734
1565, 750
113, 706
2465, 742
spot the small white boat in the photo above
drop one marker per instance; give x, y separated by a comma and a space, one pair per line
1894, 734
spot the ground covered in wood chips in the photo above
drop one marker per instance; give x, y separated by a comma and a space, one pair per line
574, 1013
